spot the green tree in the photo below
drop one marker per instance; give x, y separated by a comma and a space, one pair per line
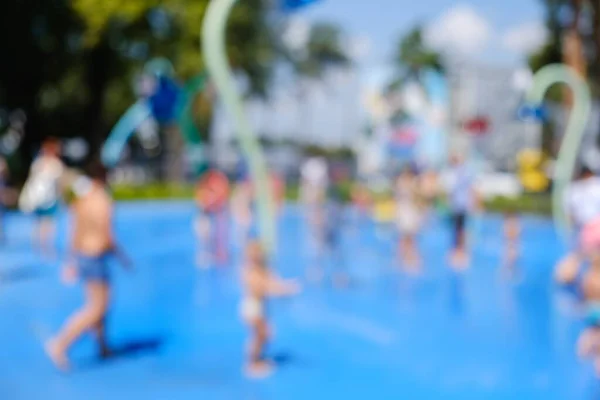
36, 38
574, 38
130, 24
70, 63
324, 49
411, 56
413, 53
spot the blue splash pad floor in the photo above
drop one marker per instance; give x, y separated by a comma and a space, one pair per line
478, 335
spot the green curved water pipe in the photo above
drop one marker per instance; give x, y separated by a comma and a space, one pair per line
215, 54
569, 149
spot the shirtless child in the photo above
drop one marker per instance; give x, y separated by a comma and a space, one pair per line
92, 244
212, 197
259, 284
409, 217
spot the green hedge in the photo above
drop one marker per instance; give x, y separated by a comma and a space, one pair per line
155, 191
158, 191
528, 203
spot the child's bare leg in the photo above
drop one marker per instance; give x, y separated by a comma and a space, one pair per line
45, 237
459, 254
513, 254
220, 237
462, 242
257, 366
589, 346
88, 318
411, 253
510, 257
403, 249
100, 330
203, 230
259, 341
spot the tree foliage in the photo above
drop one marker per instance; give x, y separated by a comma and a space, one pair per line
70, 64
579, 20
412, 53
324, 49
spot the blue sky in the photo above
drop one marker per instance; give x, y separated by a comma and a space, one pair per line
334, 109
382, 22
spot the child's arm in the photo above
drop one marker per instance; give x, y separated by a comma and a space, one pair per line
279, 287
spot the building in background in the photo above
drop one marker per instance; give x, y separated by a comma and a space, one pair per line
495, 94
487, 98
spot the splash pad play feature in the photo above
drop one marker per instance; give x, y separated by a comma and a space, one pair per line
570, 147
162, 101
213, 46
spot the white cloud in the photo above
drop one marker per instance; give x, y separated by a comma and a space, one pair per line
459, 30
525, 39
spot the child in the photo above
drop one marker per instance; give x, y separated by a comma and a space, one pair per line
512, 234
241, 208
583, 206
408, 217
361, 201
259, 284
92, 244
212, 196
462, 201
589, 341
313, 192
429, 186
42, 192
334, 224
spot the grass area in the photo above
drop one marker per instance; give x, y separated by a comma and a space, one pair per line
527, 203
155, 191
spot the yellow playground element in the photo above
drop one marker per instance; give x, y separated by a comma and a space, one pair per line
384, 210
531, 170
